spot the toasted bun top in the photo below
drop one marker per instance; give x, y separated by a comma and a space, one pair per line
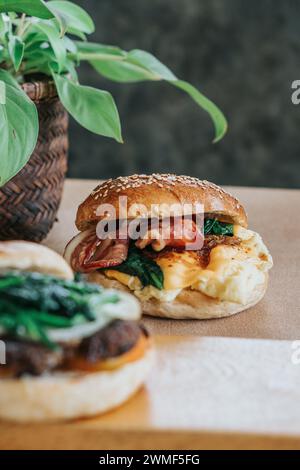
27, 256
166, 189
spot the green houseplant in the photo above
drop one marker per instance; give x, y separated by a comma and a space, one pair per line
48, 40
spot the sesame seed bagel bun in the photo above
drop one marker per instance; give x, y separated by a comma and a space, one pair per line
189, 304
159, 189
70, 395
27, 256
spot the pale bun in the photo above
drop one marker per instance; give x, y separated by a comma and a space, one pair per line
189, 304
167, 189
65, 396
192, 304
28, 256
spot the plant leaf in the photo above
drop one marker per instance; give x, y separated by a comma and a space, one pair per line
39, 60
19, 127
139, 65
70, 68
70, 45
70, 15
2, 92
128, 66
122, 71
93, 109
33, 37
1, 53
57, 43
36, 8
92, 50
16, 50
77, 33
151, 64
215, 113
2, 25
118, 65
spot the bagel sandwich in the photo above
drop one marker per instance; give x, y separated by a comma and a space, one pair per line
72, 349
226, 274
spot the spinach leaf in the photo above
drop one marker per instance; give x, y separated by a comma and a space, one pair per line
137, 264
214, 227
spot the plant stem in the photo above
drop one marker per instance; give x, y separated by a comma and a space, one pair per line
20, 29
96, 56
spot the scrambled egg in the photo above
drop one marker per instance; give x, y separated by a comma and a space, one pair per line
232, 273
161, 295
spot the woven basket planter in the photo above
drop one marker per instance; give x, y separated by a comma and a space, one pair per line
29, 202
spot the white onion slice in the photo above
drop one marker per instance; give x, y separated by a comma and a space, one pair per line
128, 308
74, 242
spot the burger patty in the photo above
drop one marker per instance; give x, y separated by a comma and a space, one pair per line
115, 339
28, 357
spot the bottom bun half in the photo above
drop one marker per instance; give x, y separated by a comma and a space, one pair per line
189, 304
70, 395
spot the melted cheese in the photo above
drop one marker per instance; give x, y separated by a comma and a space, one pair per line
132, 282
180, 269
232, 273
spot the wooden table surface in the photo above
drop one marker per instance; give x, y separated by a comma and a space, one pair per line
217, 384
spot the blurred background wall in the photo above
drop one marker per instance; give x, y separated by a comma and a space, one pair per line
242, 54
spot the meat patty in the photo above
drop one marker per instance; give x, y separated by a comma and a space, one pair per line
115, 339
28, 357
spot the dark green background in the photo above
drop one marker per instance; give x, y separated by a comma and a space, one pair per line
243, 54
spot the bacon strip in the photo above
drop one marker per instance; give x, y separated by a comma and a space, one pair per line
176, 235
92, 253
